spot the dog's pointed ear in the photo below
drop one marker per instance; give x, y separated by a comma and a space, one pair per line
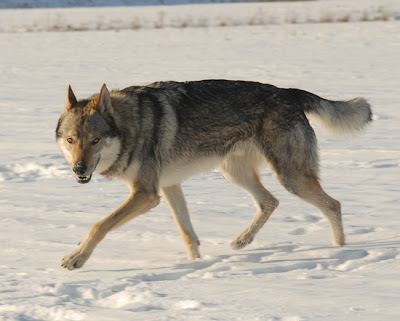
103, 101
71, 99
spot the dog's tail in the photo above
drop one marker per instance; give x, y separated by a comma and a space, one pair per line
337, 117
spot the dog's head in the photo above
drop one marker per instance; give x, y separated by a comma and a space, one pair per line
87, 134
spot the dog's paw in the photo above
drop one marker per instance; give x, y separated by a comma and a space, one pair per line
241, 241
75, 260
340, 241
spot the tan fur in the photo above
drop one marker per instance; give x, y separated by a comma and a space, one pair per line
136, 204
177, 204
247, 178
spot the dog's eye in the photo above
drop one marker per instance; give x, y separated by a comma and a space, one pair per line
96, 140
70, 140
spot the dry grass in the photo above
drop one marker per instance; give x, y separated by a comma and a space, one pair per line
257, 20
160, 23
260, 18
365, 16
344, 18
327, 17
386, 15
292, 19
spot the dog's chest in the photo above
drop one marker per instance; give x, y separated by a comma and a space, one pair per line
174, 173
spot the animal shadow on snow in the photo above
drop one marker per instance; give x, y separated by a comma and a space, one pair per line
275, 259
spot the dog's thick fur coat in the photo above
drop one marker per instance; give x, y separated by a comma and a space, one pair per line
153, 137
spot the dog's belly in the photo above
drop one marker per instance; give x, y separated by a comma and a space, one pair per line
179, 171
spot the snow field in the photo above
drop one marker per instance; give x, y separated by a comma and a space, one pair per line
197, 16
290, 272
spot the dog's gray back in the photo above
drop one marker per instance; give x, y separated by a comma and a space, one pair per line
169, 122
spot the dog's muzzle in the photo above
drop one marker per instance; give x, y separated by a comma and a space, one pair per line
80, 171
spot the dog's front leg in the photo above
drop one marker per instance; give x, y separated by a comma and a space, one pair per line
137, 203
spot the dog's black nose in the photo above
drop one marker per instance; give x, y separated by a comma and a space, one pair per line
79, 168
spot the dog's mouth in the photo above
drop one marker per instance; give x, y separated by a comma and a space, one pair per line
83, 179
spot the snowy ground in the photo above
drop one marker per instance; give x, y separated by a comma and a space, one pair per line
197, 16
140, 272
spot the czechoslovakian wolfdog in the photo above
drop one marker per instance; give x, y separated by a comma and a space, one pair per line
154, 137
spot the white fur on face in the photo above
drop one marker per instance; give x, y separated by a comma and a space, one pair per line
108, 154
66, 151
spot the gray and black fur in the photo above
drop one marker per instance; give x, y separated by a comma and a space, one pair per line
153, 137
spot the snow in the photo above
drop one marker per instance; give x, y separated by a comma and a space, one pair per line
198, 16
140, 272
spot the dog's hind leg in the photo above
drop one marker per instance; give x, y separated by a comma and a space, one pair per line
240, 171
293, 156
177, 204
307, 187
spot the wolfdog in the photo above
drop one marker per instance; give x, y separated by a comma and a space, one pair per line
153, 137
